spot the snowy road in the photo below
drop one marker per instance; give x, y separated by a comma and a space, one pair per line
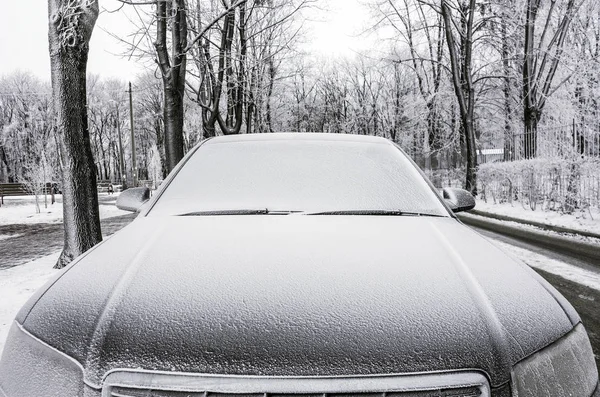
576, 278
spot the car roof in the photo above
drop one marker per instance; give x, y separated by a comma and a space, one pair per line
297, 136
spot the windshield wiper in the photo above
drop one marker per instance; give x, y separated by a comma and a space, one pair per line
263, 211
375, 213
266, 211
259, 211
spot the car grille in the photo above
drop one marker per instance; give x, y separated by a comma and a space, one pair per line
453, 392
127, 383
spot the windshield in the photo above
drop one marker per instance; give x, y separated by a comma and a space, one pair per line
297, 175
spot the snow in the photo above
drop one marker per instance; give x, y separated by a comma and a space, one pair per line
21, 210
18, 283
588, 220
542, 262
7, 236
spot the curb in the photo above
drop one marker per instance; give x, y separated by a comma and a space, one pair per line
545, 226
555, 243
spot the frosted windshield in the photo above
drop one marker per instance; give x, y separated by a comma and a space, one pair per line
298, 175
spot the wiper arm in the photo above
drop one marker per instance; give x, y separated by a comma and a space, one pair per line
374, 213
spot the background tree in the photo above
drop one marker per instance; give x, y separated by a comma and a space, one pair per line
543, 55
421, 45
239, 61
38, 170
71, 23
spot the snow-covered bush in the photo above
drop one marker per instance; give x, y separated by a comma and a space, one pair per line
556, 184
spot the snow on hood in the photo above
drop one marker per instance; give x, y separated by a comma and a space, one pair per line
297, 295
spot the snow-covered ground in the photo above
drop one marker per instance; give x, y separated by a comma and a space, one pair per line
17, 284
7, 236
582, 220
21, 209
542, 262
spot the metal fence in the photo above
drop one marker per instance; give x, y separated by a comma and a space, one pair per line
563, 185
562, 141
564, 174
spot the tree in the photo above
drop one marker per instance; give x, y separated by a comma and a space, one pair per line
462, 78
172, 15
237, 71
37, 168
507, 46
540, 64
422, 32
71, 23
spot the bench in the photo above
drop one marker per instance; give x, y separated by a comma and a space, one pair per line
14, 189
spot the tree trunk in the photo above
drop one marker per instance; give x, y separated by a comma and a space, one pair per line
4, 160
70, 28
537, 81
272, 71
509, 137
532, 118
173, 70
235, 90
529, 83
463, 87
230, 84
433, 135
173, 135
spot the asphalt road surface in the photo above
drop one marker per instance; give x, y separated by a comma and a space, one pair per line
34, 241
585, 300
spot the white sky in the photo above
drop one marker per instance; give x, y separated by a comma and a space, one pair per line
24, 42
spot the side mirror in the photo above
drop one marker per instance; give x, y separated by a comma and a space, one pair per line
458, 199
132, 199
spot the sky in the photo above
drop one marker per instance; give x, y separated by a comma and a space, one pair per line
24, 41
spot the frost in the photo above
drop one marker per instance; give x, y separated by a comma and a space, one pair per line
296, 295
18, 284
292, 172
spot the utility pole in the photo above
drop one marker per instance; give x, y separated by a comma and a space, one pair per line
133, 164
121, 158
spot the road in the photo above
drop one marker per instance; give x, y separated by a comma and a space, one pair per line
34, 241
585, 300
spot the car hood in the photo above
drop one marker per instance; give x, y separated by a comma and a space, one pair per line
297, 295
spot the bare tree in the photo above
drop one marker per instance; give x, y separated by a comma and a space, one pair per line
541, 62
71, 23
238, 61
462, 78
38, 170
423, 33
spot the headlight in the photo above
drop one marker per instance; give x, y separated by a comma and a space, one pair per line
30, 368
565, 368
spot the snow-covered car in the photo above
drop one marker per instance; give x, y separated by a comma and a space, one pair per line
297, 265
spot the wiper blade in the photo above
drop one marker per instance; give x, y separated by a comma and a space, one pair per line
259, 211
263, 211
374, 213
266, 211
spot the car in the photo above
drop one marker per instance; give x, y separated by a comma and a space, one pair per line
297, 265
